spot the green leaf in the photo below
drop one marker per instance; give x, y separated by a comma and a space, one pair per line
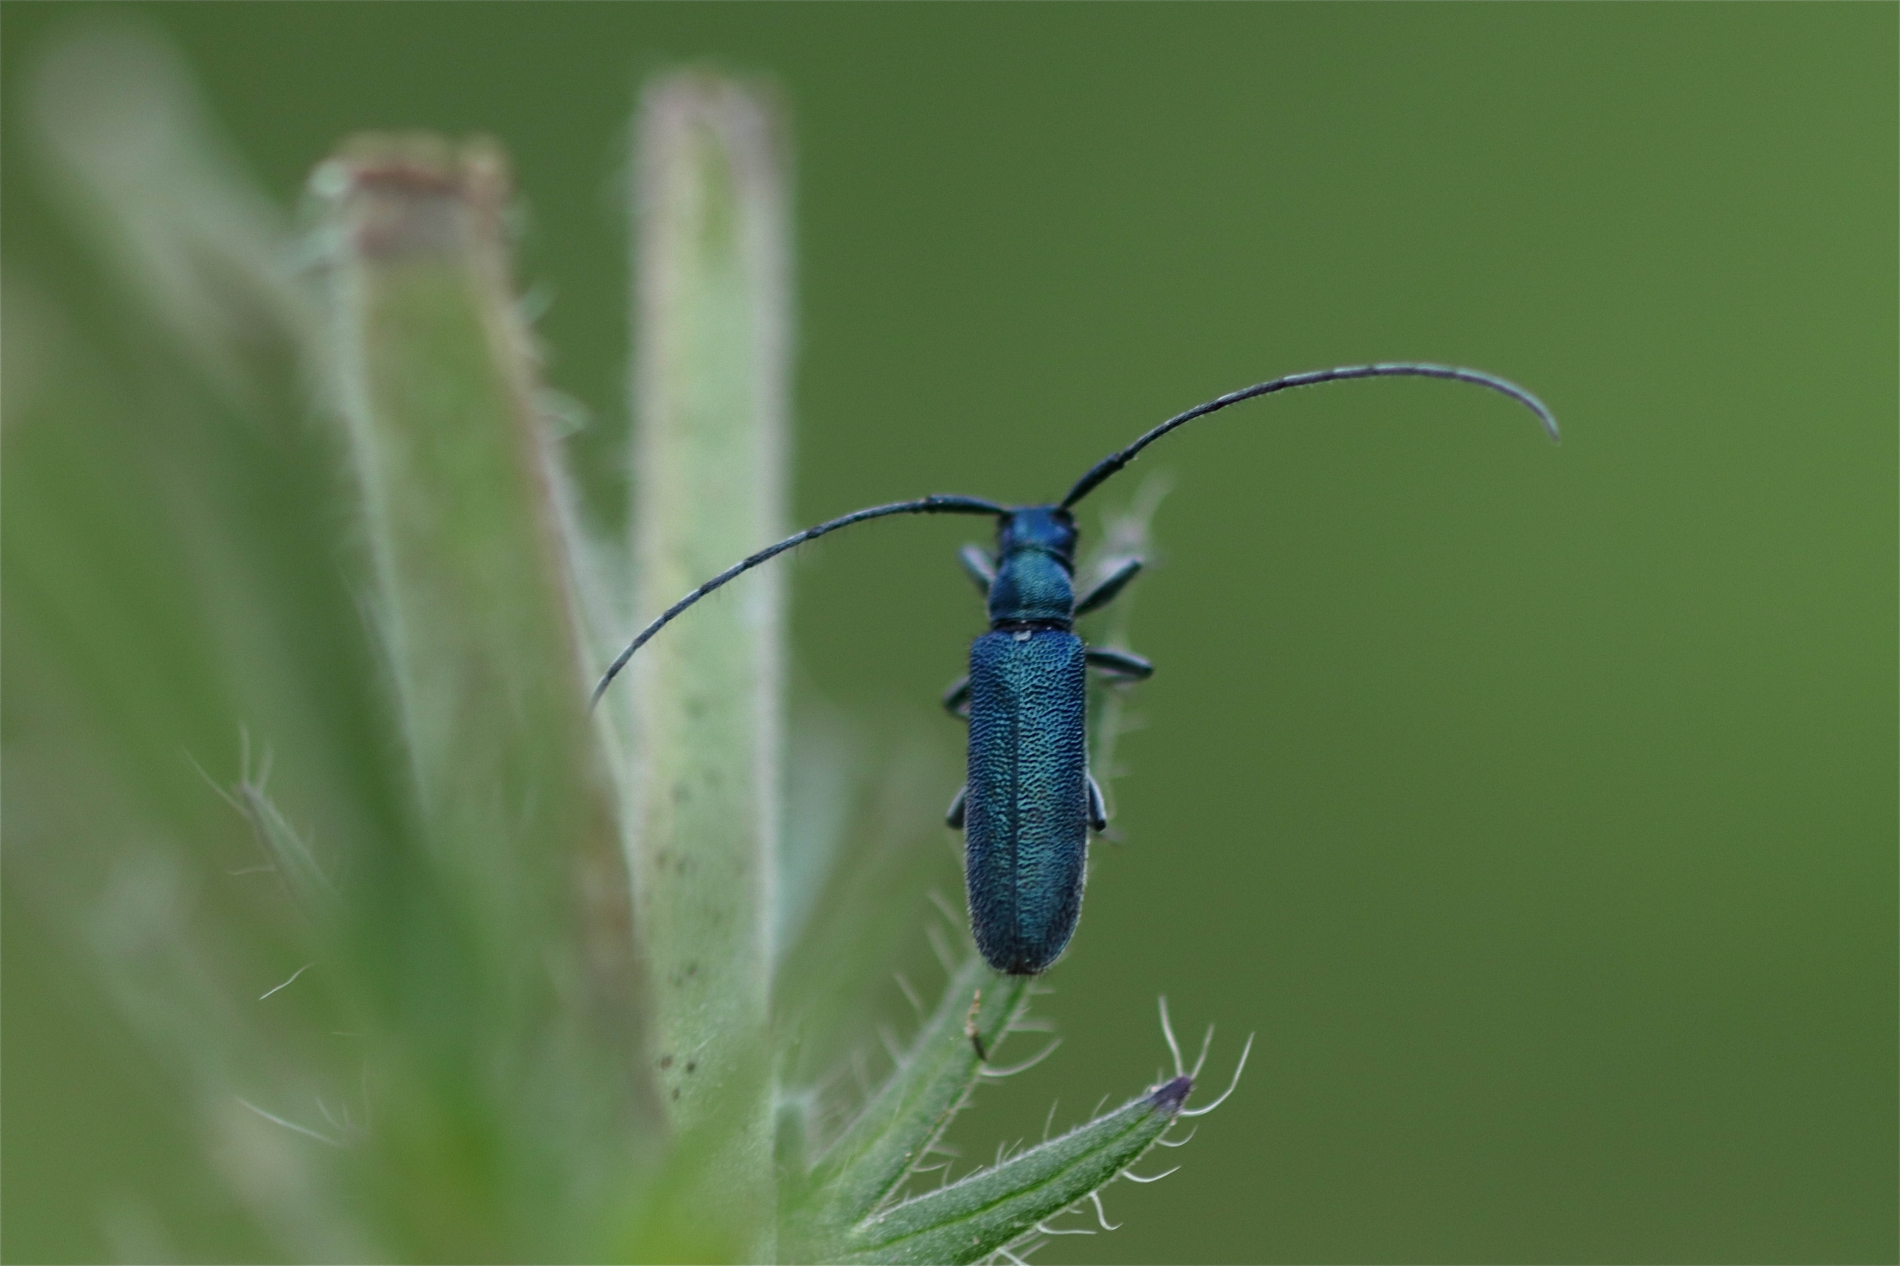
445, 1061
879, 1149
701, 712
972, 1218
496, 930
435, 379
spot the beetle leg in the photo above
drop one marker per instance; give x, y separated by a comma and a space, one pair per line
980, 566
954, 818
1124, 664
956, 700
1098, 808
1112, 584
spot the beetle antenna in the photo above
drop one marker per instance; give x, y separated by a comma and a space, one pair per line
938, 504
1115, 461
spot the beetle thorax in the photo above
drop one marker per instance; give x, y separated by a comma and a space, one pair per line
1035, 568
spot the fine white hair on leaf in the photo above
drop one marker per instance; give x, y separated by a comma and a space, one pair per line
1167, 1031
944, 907
274, 1119
1131, 1176
1201, 1059
910, 994
222, 794
1167, 1142
1031, 1026
293, 976
1201, 1112
1095, 1198
1026, 1243
941, 948
997, 1074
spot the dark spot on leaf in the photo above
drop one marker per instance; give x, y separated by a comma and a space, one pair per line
1168, 1098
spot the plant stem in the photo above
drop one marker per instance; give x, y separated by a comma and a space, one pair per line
710, 310
505, 901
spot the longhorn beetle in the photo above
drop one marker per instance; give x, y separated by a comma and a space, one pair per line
1029, 802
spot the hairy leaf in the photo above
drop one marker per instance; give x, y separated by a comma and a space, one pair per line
977, 1215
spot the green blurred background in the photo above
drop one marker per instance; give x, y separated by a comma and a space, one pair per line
1537, 806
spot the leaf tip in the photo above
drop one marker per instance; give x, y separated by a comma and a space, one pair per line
1170, 1095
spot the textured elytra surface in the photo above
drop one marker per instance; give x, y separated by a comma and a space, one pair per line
1026, 819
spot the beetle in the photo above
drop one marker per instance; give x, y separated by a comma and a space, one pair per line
1028, 803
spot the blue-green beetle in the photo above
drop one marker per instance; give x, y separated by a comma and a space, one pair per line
1029, 803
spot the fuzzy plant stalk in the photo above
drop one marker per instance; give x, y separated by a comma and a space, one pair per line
753, 1177
711, 315
508, 995
434, 376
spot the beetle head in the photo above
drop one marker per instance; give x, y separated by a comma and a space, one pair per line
1040, 529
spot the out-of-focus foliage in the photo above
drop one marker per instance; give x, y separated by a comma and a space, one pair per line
499, 1044
1537, 807
386, 964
